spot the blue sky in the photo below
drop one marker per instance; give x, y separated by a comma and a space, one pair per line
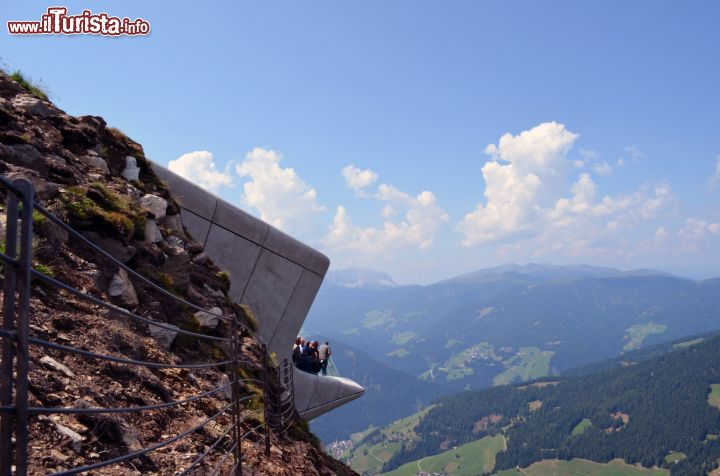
611, 107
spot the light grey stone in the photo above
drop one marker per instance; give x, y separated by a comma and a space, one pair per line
152, 232
213, 292
95, 162
32, 105
175, 242
122, 289
131, 172
154, 204
207, 320
227, 391
53, 364
164, 337
175, 225
75, 438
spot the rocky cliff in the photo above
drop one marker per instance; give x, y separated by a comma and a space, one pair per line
98, 180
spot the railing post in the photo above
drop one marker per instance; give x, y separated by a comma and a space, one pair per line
266, 384
288, 383
235, 351
8, 325
23, 323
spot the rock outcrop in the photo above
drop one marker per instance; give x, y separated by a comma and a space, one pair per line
99, 181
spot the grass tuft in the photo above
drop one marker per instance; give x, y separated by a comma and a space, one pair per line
44, 269
101, 206
33, 89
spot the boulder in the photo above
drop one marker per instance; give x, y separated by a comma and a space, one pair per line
227, 391
207, 320
122, 290
175, 242
24, 155
33, 106
131, 172
164, 337
174, 224
75, 438
152, 232
96, 162
214, 292
56, 366
176, 266
154, 204
116, 248
202, 258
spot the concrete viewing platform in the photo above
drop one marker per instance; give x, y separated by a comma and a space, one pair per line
276, 275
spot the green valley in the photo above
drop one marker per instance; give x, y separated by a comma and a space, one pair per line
470, 459
660, 414
580, 467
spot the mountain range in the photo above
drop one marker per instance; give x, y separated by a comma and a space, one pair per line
501, 325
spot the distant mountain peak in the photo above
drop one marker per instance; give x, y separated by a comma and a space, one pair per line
360, 278
551, 272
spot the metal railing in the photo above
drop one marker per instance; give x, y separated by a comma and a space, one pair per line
15, 412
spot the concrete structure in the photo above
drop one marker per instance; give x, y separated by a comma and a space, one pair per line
274, 274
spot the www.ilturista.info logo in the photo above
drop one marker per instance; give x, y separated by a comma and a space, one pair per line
57, 22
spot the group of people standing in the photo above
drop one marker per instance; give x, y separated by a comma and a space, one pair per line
311, 356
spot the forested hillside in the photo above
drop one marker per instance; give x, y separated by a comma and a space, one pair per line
658, 412
501, 325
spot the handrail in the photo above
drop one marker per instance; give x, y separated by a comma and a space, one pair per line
15, 340
219, 466
91, 410
143, 451
120, 360
130, 271
120, 310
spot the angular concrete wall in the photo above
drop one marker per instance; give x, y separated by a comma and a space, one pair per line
273, 273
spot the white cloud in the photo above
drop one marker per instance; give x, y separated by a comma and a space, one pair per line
417, 228
388, 211
602, 168
519, 180
199, 167
529, 209
651, 206
281, 197
358, 179
589, 155
694, 235
634, 153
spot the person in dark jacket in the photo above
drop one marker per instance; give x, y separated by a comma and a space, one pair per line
314, 357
